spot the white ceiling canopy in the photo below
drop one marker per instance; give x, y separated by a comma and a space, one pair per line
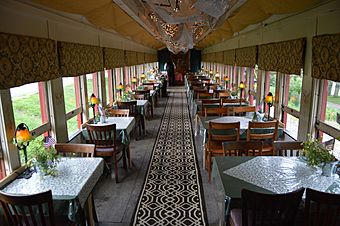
182, 23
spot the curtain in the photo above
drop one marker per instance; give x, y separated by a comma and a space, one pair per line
140, 58
25, 59
219, 57
229, 57
113, 58
78, 59
286, 57
246, 57
326, 57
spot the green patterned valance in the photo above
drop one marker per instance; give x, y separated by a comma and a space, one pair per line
25, 59
205, 58
151, 58
229, 57
113, 58
246, 57
219, 57
78, 59
130, 58
286, 57
140, 58
326, 57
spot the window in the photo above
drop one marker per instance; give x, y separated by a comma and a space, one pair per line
72, 104
30, 105
328, 124
270, 86
108, 86
292, 88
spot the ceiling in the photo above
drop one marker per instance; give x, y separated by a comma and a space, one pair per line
177, 24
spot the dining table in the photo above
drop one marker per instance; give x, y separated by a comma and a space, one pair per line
265, 174
203, 127
74, 182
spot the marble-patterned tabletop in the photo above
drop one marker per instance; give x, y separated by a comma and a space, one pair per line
75, 180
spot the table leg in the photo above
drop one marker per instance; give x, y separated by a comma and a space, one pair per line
91, 215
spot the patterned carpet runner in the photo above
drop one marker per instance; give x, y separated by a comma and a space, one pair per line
171, 194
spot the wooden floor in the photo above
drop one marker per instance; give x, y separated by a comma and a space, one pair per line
116, 203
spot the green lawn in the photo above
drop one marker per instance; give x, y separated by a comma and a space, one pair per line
27, 108
334, 100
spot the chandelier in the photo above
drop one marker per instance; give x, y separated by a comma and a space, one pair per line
182, 23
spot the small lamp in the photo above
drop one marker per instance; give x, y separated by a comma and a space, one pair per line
120, 89
217, 77
241, 86
93, 101
142, 77
134, 81
226, 81
211, 73
269, 101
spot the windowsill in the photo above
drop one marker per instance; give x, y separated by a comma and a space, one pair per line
75, 135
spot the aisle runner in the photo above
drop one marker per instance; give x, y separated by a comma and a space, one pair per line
171, 194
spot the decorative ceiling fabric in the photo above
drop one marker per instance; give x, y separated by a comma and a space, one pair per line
78, 59
229, 57
285, 57
246, 57
113, 58
326, 57
25, 59
253, 12
105, 14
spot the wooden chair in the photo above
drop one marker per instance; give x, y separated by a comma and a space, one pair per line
241, 110
105, 139
219, 111
266, 132
81, 150
239, 148
205, 95
267, 209
223, 95
288, 148
322, 209
217, 134
132, 106
19, 210
119, 112
208, 103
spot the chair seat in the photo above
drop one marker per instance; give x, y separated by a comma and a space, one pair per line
106, 151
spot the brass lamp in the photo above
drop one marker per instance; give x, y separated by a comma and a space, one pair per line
211, 73
22, 137
226, 81
93, 101
134, 81
120, 88
142, 77
241, 86
217, 77
269, 101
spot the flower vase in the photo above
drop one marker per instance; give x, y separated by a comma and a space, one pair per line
329, 169
102, 119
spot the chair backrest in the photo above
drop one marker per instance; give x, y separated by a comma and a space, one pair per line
329, 144
288, 148
270, 209
131, 105
224, 94
213, 102
228, 101
243, 109
145, 93
103, 136
322, 209
204, 95
220, 132
238, 148
81, 150
119, 112
219, 111
28, 210
256, 130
